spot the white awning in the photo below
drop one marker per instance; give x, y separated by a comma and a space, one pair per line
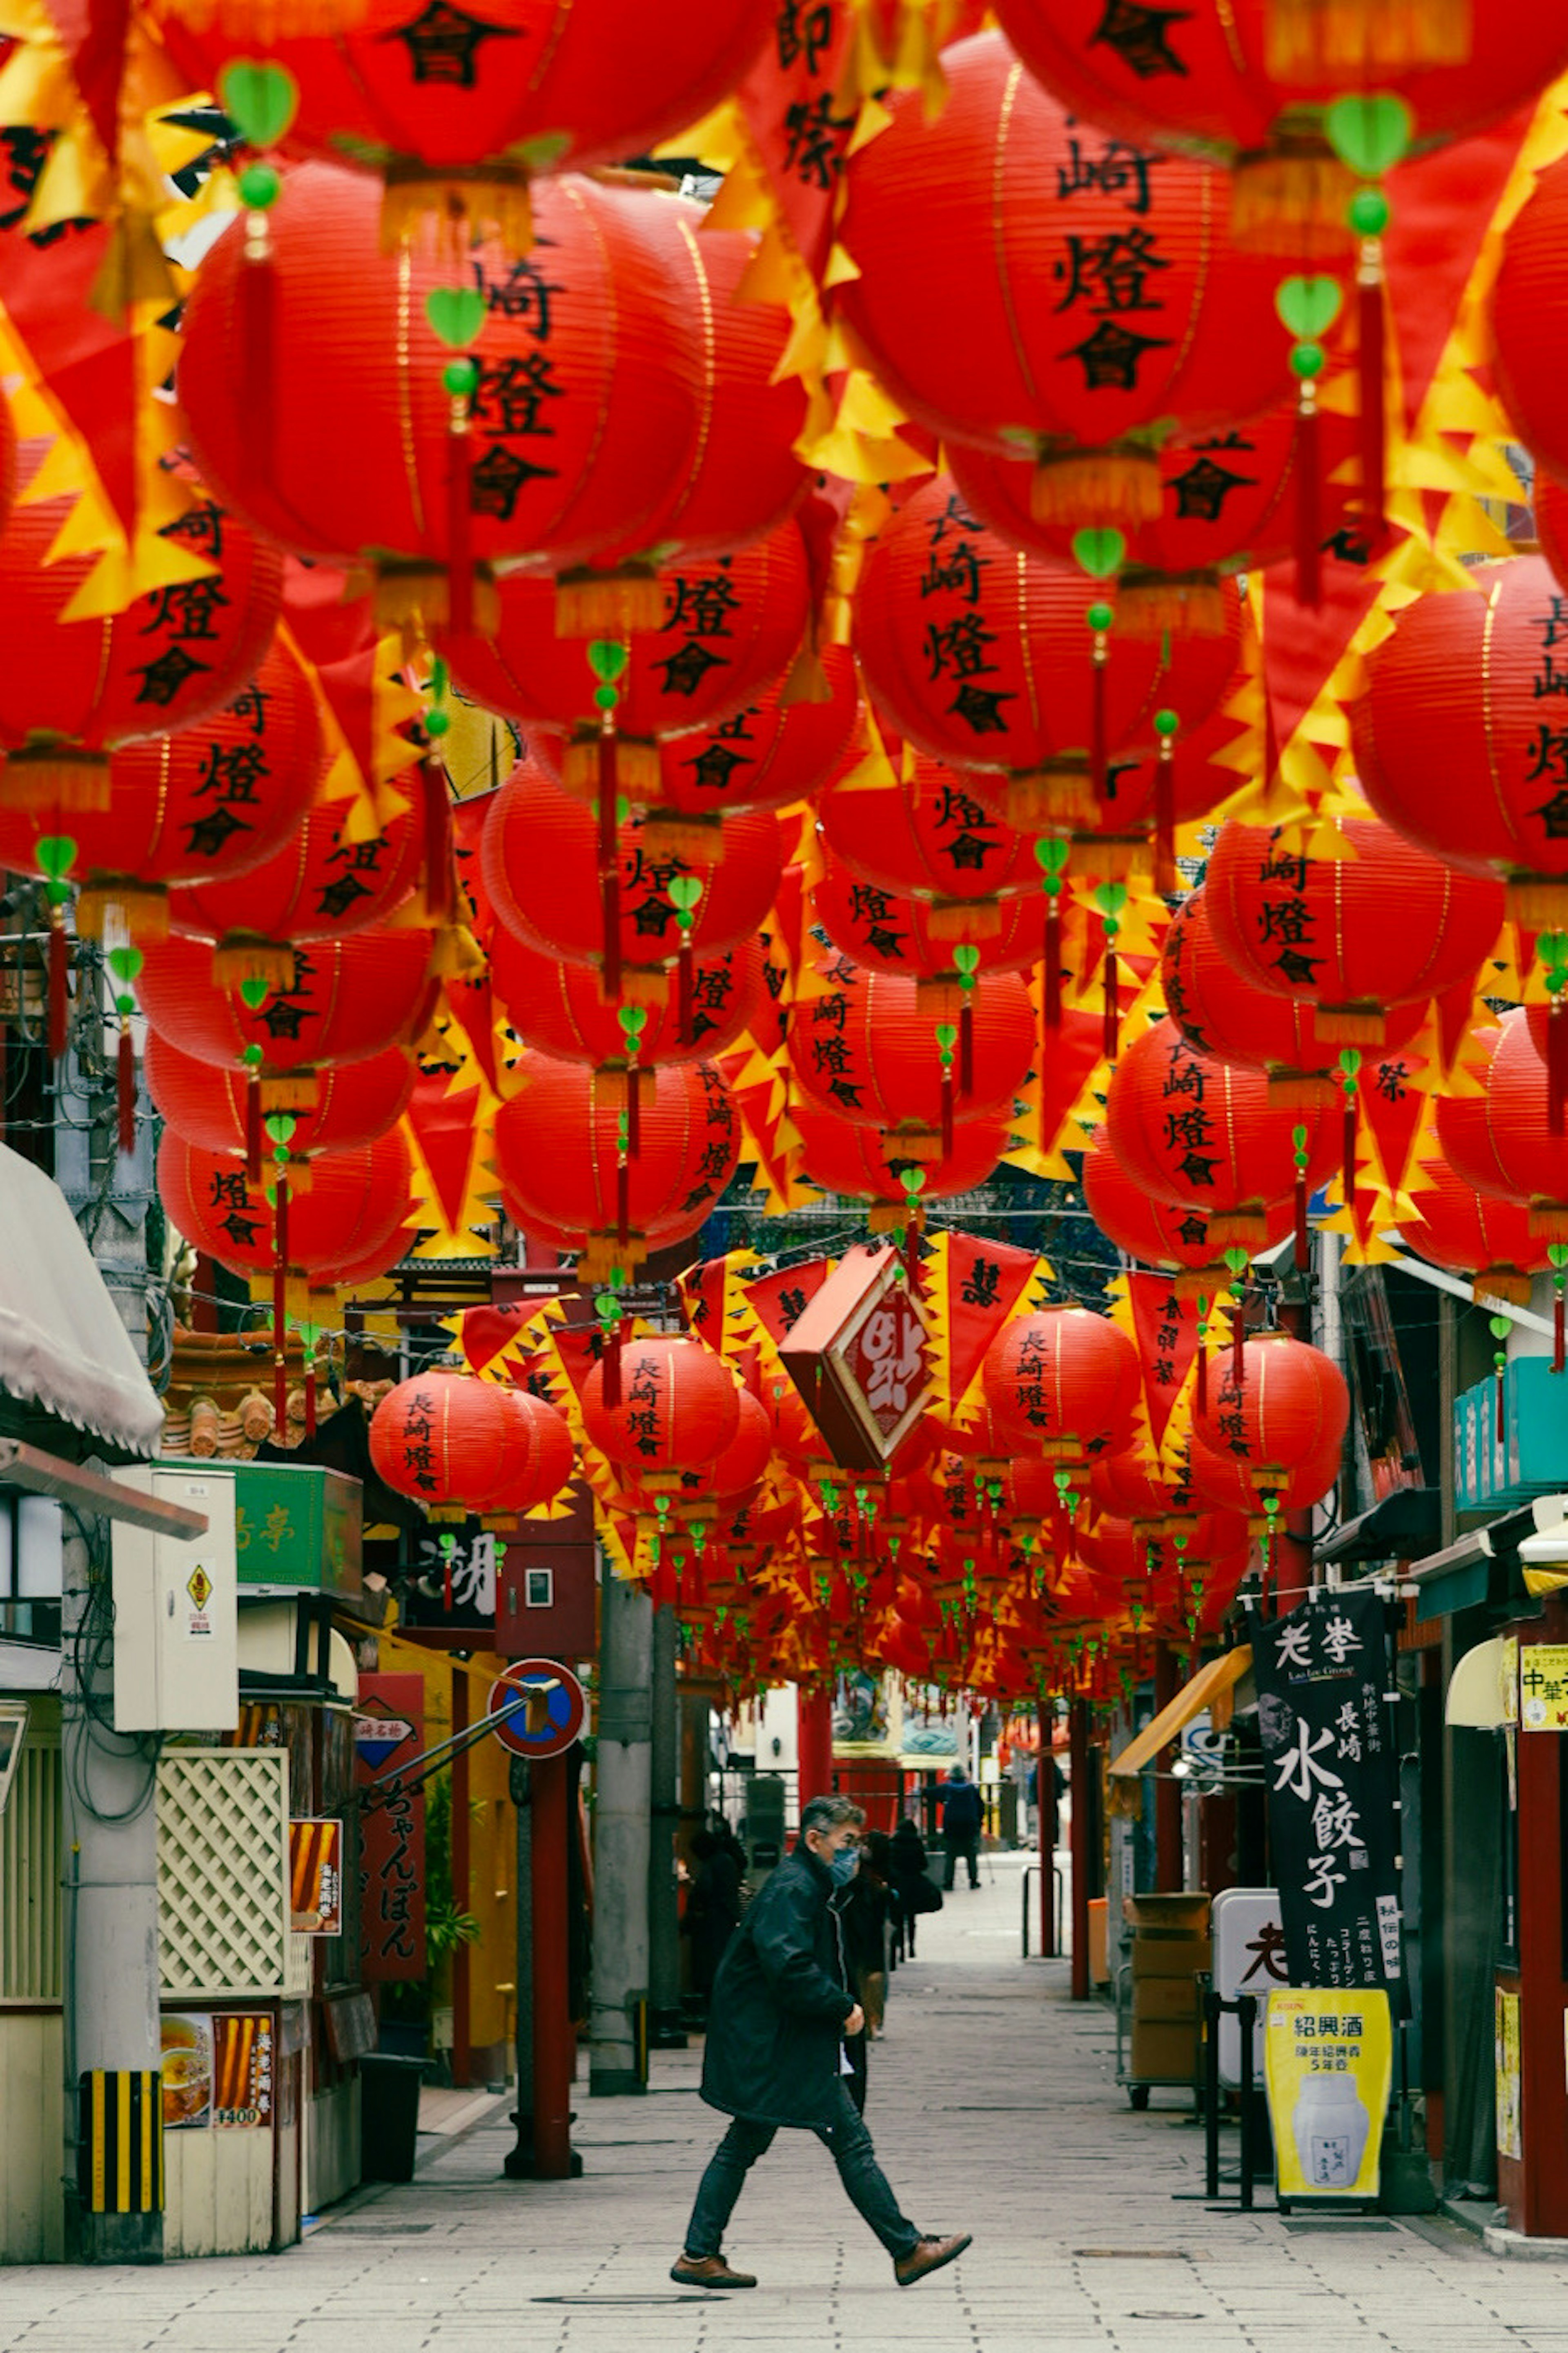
1475, 1697
63, 1348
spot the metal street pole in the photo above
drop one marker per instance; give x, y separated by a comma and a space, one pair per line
665, 2031
622, 1776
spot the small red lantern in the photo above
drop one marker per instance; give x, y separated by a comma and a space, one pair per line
1449, 740
1063, 1384
888, 930
1503, 1141
557, 1007
452, 1442
356, 1101
1289, 1406
353, 1209
1227, 1481
1480, 1234
924, 832
1159, 1233
679, 1409
871, 1050
1384, 924
551, 1456
1092, 292
995, 660
1529, 319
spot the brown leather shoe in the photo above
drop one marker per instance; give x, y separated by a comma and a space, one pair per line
711, 2271
930, 2256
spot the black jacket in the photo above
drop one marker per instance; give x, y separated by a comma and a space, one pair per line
779, 2004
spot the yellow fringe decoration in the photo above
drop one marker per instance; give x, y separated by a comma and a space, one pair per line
1300, 1091
599, 1255
1057, 795
641, 983
142, 908
266, 21
237, 960
1247, 1228
1494, 1284
1548, 1220
408, 594
469, 207
1351, 1025
963, 918
637, 772
1097, 486
913, 1142
609, 604
1151, 603
668, 832
1110, 857
1292, 200
1537, 902
289, 1091
939, 1000
806, 681
1307, 39
55, 776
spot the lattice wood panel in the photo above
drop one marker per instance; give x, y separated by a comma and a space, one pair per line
223, 1872
30, 1877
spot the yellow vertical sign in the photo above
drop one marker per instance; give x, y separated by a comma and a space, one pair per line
1509, 2137
1328, 2067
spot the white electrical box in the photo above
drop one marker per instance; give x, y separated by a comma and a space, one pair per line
176, 1611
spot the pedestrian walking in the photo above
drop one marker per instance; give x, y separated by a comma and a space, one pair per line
962, 1815
908, 1886
774, 2054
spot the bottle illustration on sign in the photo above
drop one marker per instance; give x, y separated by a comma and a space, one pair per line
1330, 2123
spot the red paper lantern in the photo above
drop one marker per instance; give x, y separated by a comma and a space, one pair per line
855, 1161
887, 931
1383, 925
1450, 741
985, 656
1502, 1141
1159, 1233
1088, 298
1228, 1482
217, 800
459, 112
769, 755
324, 886
565, 1176
731, 626
356, 1101
552, 1455
1290, 1405
679, 1409
1529, 319
557, 1007
923, 831
1062, 1383
353, 1209
450, 1440
867, 1049
346, 1001
1474, 1233
73, 690
539, 865
584, 414
1202, 1134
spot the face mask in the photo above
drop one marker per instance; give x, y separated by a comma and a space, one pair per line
843, 1864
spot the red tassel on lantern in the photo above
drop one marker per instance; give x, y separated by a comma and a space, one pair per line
280, 1310
686, 992
460, 524
966, 1048
1097, 738
257, 315
1373, 418
59, 965
947, 1114
1110, 1036
1502, 1414
623, 1201
613, 1369
1166, 881
309, 1400
1202, 1384
633, 1113
1308, 502
1239, 1343
439, 897
1558, 1357
125, 1090
1053, 963
609, 858
1303, 1240
253, 1128
1556, 1065
1347, 1152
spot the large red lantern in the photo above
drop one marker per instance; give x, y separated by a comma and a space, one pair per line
765, 756
552, 1455
72, 690
356, 1101
995, 660
1529, 319
894, 932
1382, 924
343, 1001
541, 863
1452, 736
557, 1007
1088, 293
1228, 1482
1062, 1383
1503, 1141
569, 1172
217, 799
859, 1163
353, 1209
458, 112
1202, 1134
868, 1049
925, 832
679, 1409
585, 409
453, 1442
1159, 1233
1288, 1406
1480, 1234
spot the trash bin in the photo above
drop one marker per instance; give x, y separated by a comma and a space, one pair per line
389, 2115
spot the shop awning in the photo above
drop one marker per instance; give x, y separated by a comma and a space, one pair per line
63, 1348
1475, 1688
1459, 1576
1220, 1674
1404, 1526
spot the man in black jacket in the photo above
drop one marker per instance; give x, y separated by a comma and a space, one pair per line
962, 1815
774, 2053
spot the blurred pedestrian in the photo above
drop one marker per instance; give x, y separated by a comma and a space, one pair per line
712, 1910
908, 1885
961, 1816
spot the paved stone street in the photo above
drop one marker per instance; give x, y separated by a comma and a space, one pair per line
995, 2109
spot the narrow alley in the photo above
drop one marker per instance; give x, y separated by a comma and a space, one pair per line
995, 2109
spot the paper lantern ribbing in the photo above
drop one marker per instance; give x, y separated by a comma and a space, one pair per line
855, 1161
551, 1456
891, 931
353, 1209
1159, 1233
1529, 319
1478, 1234
1083, 303
921, 830
1062, 1383
1230, 1483
1288, 1406
356, 1101
451, 1441
679, 1409
557, 1007
1383, 925
1502, 1141
585, 409
765, 756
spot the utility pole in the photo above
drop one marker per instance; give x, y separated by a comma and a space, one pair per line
665, 2031
623, 1777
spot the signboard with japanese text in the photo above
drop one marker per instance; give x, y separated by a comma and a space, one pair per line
1248, 1957
1509, 2127
316, 1877
389, 1731
1331, 1779
243, 2074
1543, 1686
1328, 2067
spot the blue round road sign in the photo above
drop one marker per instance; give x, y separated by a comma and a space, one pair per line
551, 1719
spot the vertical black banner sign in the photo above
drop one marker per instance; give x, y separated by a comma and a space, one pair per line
1332, 1781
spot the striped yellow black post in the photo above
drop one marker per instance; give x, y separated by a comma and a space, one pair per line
120, 2143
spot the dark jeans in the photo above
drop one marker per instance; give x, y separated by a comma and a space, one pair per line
967, 1844
849, 2144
